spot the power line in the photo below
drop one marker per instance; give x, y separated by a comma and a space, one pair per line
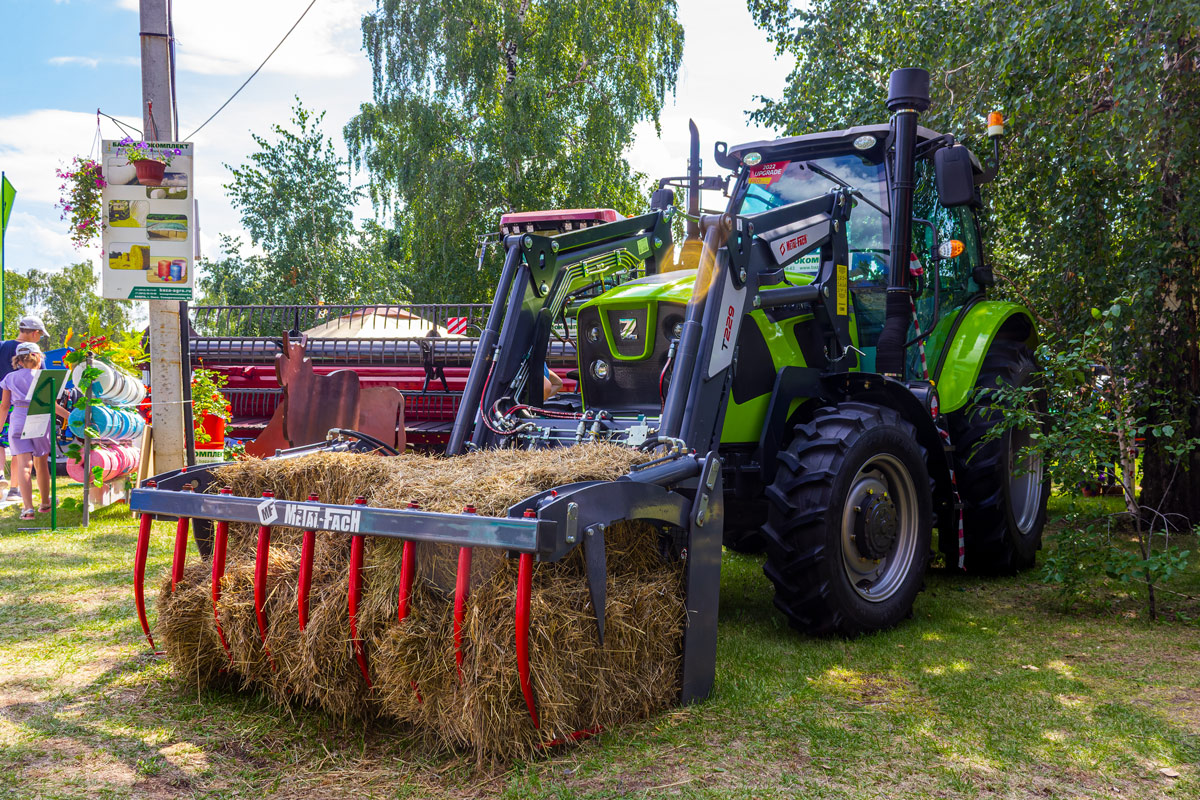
260, 66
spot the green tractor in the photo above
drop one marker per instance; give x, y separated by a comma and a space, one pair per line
830, 336
811, 373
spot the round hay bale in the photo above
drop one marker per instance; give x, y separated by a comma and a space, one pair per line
186, 629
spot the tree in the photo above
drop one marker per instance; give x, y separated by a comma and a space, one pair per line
68, 301
16, 292
297, 204
487, 106
1099, 195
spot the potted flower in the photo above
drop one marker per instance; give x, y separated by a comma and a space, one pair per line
150, 162
210, 410
80, 201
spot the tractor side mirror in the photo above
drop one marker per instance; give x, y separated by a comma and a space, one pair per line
955, 178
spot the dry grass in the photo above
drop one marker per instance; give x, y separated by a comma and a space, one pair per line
578, 683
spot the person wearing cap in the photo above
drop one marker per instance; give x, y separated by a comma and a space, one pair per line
29, 329
27, 453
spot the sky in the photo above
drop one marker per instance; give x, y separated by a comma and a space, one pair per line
61, 60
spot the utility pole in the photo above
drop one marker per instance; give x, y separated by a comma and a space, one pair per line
165, 366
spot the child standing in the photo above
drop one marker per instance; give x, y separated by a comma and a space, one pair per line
26, 453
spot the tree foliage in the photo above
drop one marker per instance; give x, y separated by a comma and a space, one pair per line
67, 300
297, 203
487, 106
1099, 194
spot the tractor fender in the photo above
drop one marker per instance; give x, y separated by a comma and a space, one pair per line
871, 388
967, 344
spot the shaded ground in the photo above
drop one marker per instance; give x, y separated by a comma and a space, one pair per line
989, 691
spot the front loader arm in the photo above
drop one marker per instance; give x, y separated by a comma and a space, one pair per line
540, 274
741, 270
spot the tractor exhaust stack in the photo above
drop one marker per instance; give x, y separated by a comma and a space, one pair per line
908, 97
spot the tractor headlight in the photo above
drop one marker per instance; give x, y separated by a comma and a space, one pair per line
600, 369
593, 334
677, 331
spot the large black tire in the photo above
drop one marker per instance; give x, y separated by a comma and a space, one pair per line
1003, 512
836, 567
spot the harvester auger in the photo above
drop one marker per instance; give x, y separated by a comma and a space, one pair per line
782, 368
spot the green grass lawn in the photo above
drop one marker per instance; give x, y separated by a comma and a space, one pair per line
989, 691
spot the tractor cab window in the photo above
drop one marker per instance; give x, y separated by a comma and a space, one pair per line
945, 224
955, 274
778, 183
868, 232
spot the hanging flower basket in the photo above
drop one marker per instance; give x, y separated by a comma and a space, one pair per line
150, 172
82, 184
150, 162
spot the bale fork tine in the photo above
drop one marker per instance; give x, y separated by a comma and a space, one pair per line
462, 586
524, 589
179, 557
304, 580
356, 565
220, 542
260, 583
408, 571
139, 570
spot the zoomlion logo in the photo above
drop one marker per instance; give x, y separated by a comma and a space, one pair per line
628, 328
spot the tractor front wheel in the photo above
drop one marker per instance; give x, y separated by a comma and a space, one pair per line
1004, 493
849, 521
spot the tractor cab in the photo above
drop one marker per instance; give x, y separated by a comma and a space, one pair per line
947, 260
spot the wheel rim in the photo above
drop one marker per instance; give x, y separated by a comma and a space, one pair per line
873, 579
1025, 482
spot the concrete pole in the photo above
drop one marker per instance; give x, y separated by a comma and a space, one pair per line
165, 366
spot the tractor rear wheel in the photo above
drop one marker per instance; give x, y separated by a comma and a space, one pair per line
849, 521
1004, 495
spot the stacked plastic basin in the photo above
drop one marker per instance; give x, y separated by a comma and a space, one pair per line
116, 427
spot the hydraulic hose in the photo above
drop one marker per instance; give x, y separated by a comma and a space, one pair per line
483, 352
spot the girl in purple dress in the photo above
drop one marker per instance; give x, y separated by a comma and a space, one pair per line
26, 453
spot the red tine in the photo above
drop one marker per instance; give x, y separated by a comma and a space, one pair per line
220, 542
462, 585
408, 570
139, 570
260, 583
408, 565
305, 577
524, 588
356, 564
181, 542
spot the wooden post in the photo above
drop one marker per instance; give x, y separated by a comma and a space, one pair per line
87, 445
165, 359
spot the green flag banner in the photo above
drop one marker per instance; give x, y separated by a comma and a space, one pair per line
7, 193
